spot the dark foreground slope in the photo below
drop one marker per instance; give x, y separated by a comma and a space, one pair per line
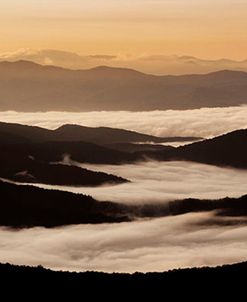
26, 170
224, 211
32, 164
28, 155
195, 282
226, 150
26, 86
28, 206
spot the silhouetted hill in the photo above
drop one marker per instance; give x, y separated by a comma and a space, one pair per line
224, 211
132, 148
24, 161
28, 206
26, 86
105, 135
23, 133
218, 281
43, 145
27, 170
226, 150
231, 207
56, 151
74, 133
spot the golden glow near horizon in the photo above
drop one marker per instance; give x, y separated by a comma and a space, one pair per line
204, 28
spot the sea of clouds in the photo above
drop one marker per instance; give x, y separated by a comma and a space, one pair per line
151, 245
205, 122
145, 245
157, 182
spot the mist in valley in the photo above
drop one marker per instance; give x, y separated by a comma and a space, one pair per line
156, 244
146, 245
158, 182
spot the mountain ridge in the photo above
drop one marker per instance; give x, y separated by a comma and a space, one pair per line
74, 132
151, 64
32, 87
228, 150
100, 68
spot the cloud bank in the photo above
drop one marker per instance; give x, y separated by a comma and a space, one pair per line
205, 122
147, 245
157, 182
153, 245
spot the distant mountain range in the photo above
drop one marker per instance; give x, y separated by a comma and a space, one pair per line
26, 86
152, 64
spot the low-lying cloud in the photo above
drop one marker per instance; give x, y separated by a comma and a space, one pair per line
146, 245
157, 182
205, 122
151, 245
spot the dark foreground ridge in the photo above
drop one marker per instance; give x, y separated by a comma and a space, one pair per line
227, 150
115, 146
28, 206
204, 277
17, 133
27, 170
23, 206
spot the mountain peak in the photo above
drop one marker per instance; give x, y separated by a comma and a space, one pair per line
69, 127
20, 63
115, 70
228, 74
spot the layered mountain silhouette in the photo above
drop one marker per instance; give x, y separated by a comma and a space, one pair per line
27, 170
226, 150
154, 64
231, 207
14, 133
224, 211
114, 146
28, 154
25, 206
53, 162
26, 86
33, 163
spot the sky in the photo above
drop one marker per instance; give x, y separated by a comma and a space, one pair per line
205, 28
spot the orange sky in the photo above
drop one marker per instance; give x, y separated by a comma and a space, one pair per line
204, 28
